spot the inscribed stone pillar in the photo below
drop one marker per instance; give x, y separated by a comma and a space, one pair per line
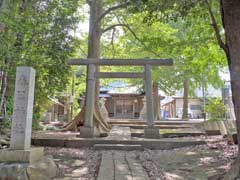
20, 150
23, 109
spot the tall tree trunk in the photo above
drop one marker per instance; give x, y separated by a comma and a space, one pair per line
94, 35
231, 22
156, 101
3, 92
185, 99
96, 10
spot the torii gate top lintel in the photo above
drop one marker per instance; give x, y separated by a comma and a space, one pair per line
122, 62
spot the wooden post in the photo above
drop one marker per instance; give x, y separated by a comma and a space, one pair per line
150, 131
88, 130
149, 98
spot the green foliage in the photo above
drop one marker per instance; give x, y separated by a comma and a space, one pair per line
6, 124
188, 40
36, 117
216, 109
164, 10
39, 34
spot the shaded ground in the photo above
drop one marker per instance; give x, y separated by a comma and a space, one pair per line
209, 161
193, 163
76, 164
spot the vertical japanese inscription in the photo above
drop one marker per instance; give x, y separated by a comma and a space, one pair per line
20, 108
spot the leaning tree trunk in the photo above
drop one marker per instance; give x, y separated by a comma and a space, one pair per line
185, 99
156, 101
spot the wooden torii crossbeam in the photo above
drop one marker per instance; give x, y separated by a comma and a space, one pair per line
88, 130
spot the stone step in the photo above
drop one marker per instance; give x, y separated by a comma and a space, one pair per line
142, 126
171, 135
124, 147
133, 121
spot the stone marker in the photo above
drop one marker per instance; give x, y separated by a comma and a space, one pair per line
20, 150
23, 109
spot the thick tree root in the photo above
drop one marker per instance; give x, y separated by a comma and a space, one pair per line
100, 123
75, 123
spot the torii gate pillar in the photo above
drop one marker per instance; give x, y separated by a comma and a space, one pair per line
150, 131
88, 129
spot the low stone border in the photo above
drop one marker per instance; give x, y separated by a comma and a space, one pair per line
161, 144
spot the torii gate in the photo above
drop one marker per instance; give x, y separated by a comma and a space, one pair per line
88, 130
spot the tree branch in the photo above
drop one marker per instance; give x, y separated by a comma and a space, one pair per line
112, 41
84, 53
123, 5
112, 27
215, 27
134, 35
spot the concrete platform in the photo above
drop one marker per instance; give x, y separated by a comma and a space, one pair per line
21, 156
151, 133
123, 147
119, 138
185, 132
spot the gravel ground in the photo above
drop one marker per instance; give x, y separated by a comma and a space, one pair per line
76, 164
208, 161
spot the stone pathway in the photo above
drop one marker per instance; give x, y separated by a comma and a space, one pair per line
118, 165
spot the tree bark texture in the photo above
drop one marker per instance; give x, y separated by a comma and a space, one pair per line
185, 99
231, 22
94, 35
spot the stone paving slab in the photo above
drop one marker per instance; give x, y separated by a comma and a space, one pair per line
138, 173
121, 166
119, 133
106, 171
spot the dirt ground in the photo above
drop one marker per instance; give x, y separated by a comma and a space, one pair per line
210, 161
